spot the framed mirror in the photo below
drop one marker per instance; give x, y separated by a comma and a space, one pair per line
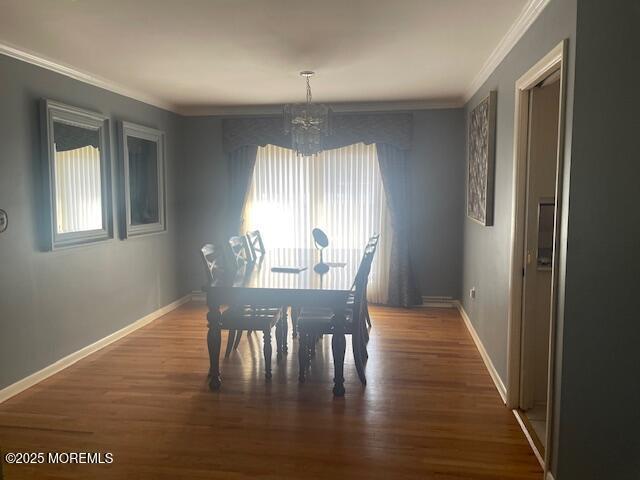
77, 175
142, 151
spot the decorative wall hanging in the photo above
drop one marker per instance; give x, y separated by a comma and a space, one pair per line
481, 148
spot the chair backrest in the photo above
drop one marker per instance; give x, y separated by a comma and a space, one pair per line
256, 245
360, 285
240, 251
213, 261
373, 241
370, 247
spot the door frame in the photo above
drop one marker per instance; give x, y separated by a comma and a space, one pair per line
555, 59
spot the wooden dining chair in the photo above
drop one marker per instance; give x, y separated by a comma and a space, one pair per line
240, 251
256, 245
373, 245
241, 257
314, 322
214, 264
237, 318
258, 250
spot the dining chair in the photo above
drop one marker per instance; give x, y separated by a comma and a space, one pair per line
256, 245
314, 322
258, 250
237, 318
240, 250
371, 244
241, 256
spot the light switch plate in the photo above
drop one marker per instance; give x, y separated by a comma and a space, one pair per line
4, 220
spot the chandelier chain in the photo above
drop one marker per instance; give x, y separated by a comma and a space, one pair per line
309, 97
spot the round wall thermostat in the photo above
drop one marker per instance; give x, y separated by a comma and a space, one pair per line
4, 220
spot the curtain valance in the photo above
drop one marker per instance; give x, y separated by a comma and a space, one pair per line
346, 129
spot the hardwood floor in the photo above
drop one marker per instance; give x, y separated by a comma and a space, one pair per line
430, 410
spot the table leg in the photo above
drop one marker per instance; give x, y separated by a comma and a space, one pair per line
285, 333
267, 353
214, 320
338, 346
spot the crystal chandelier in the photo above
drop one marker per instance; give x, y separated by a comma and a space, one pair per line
307, 123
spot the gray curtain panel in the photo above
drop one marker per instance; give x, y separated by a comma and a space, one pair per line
393, 169
241, 162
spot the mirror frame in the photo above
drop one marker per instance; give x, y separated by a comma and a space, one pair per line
51, 112
125, 130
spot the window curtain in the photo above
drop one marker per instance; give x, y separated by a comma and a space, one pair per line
241, 162
338, 190
393, 168
392, 135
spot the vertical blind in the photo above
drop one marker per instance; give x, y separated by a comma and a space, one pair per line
339, 191
78, 190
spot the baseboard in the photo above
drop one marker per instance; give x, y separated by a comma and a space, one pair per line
525, 425
198, 296
438, 302
483, 353
21, 385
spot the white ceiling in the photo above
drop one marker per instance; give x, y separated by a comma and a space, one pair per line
194, 55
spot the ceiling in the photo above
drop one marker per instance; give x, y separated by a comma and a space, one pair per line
194, 55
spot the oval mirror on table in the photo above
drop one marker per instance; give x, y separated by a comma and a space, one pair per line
321, 241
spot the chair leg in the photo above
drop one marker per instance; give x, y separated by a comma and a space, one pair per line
338, 344
230, 341
279, 342
358, 357
302, 358
238, 337
294, 322
267, 352
285, 332
365, 336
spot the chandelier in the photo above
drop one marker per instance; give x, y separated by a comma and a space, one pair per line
307, 123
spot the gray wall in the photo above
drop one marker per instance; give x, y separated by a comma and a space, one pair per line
437, 195
437, 169
54, 303
599, 420
486, 250
202, 191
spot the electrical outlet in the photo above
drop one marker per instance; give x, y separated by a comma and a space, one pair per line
4, 220
472, 293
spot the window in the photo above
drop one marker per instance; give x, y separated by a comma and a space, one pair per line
339, 191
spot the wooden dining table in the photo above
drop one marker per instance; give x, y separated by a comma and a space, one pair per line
257, 284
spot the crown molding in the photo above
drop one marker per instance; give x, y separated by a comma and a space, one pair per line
67, 71
347, 107
527, 16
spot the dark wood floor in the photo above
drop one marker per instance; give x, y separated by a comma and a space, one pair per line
430, 410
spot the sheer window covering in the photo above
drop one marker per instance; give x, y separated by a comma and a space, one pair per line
338, 190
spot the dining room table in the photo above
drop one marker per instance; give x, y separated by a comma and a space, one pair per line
257, 284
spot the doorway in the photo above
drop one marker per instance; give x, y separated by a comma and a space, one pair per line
538, 252
536, 233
